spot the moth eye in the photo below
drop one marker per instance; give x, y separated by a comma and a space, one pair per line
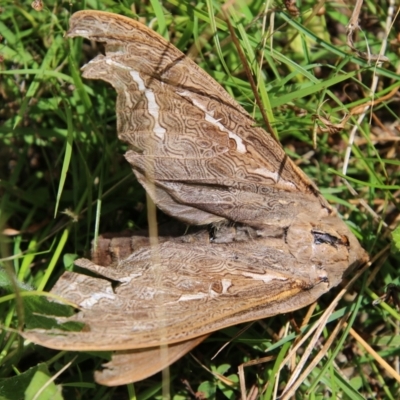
323, 237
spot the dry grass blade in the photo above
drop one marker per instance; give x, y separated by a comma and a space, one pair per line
296, 379
242, 378
391, 371
354, 26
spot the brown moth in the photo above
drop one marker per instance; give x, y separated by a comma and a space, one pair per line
277, 244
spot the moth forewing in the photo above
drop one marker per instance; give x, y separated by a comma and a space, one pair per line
164, 96
277, 244
206, 286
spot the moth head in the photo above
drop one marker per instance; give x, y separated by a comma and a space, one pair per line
326, 243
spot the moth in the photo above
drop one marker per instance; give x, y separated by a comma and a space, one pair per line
276, 244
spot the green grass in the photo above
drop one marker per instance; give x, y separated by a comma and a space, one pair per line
64, 180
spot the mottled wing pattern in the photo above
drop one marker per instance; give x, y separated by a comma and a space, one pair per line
180, 290
188, 136
188, 287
